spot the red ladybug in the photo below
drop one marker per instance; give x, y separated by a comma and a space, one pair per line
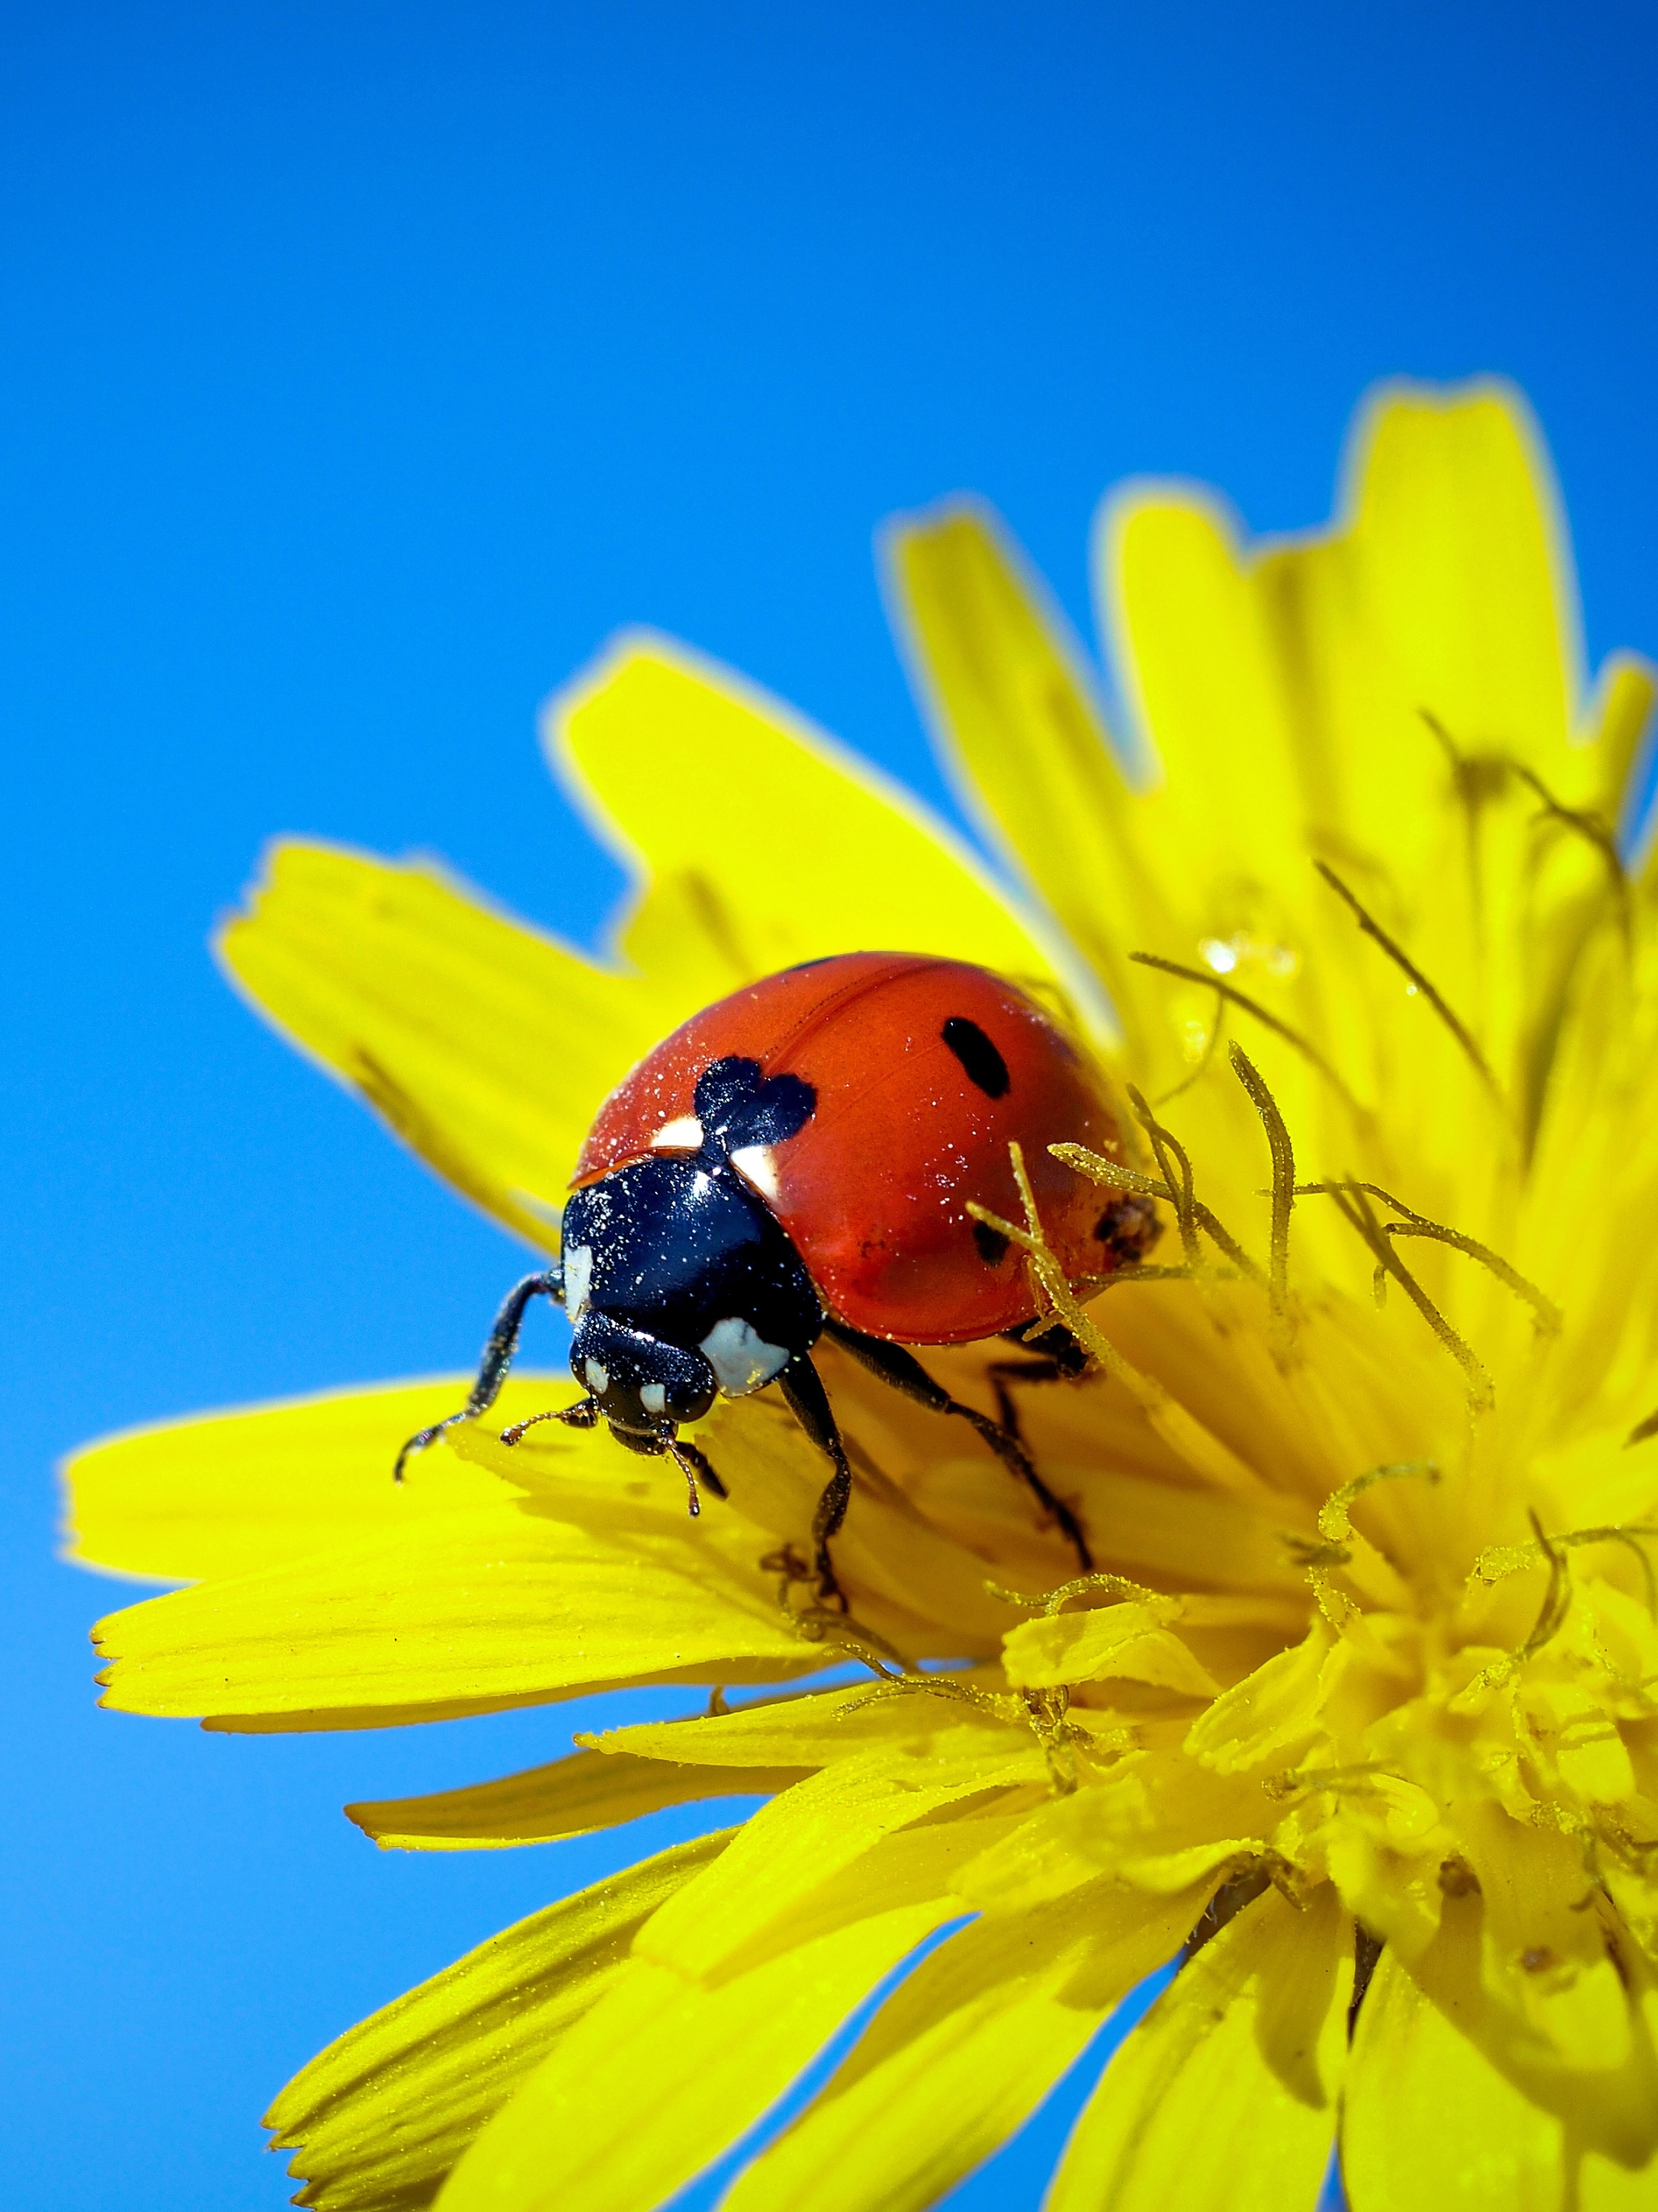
795, 1162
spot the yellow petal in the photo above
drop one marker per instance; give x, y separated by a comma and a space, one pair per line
1268, 1713
486, 1046
1223, 2099
917, 1587
470, 1612
384, 2113
1127, 1641
1618, 721
961, 2053
1604, 2187
569, 1797
1465, 573
1159, 1823
1428, 2121
1289, 690
823, 1827
1445, 587
226, 1493
813, 1731
1016, 715
798, 847
663, 2073
1200, 664
1580, 2046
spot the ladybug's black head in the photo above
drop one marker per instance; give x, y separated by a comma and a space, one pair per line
644, 1385
681, 1284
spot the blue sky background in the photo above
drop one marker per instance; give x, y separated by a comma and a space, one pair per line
361, 365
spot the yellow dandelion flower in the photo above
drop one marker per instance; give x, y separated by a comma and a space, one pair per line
1358, 1713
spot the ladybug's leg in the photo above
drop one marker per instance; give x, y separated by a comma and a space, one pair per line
808, 1402
906, 1373
1003, 1373
1062, 1360
690, 1454
496, 1359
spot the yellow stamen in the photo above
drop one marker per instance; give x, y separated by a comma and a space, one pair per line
1118, 1178
1118, 1585
1356, 1209
1497, 1561
1207, 1056
1591, 828
1550, 1318
1201, 1450
1333, 1521
1291, 1036
1557, 1599
1283, 1197
1397, 954
1167, 1148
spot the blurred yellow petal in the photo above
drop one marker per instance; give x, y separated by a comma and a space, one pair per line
487, 1046
1224, 2099
1225, 819
798, 848
1575, 2043
382, 2115
961, 2053
1603, 2186
1287, 689
662, 2074
227, 1494
470, 1612
1018, 717
569, 1797
1427, 2120
1465, 573
1616, 727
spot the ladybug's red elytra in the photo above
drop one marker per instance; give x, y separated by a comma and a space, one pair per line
796, 1162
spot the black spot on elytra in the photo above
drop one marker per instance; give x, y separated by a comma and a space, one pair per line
980, 1059
991, 1242
737, 1106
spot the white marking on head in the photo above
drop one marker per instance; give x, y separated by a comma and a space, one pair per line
598, 1378
741, 1359
578, 1279
757, 1165
654, 1397
682, 1135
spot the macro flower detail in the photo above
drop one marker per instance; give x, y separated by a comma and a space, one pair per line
1357, 1716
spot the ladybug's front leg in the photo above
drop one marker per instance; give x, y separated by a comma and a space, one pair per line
808, 1402
497, 1358
906, 1373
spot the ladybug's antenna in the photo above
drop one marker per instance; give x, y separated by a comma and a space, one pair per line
693, 1503
584, 1414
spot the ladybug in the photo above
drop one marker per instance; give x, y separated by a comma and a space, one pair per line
795, 1163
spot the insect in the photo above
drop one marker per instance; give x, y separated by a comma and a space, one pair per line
794, 1163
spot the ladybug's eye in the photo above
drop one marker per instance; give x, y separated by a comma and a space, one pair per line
980, 1061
